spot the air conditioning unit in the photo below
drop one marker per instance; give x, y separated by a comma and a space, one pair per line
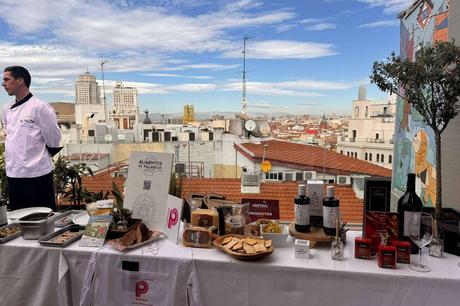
343, 180
289, 176
309, 175
250, 180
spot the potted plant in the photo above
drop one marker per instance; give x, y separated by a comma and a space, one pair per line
431, 84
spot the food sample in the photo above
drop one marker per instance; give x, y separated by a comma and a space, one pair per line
271, 227
136, 235
246, 245
205, 218
197, 237
64, 237
65, 220
8, 231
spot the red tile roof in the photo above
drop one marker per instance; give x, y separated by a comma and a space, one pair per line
351, 208
308, 157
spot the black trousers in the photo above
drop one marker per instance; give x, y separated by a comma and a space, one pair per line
31, 192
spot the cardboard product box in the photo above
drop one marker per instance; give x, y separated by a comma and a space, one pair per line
315, 191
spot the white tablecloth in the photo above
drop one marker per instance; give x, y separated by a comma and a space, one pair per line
35, 275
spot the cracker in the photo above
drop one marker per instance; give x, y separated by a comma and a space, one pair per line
250, 241
249, 249
259, 247
268, 243
226, 240
237, 246
231, 244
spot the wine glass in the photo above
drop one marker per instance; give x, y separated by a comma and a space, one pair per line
421, 233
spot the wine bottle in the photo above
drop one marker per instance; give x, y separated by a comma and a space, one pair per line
302, 211
3, 216
408, 204
330, 212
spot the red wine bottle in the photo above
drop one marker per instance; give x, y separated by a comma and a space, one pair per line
330, 212
302, 211
408, 204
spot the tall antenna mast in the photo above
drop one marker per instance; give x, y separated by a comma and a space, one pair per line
103, 62
244, 103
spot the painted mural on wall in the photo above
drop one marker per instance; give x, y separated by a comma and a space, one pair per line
415, 149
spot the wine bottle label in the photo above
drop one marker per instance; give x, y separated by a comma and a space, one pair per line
407, 224
330, 215
302, 214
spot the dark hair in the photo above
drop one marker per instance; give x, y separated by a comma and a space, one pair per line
19, 72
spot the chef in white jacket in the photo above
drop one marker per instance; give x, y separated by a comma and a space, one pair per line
32, 138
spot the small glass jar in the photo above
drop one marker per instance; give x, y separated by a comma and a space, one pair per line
436, 247
337, 249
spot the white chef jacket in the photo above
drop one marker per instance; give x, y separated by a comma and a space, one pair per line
30, 127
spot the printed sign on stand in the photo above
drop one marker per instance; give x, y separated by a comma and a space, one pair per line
263, 209
172, 221
147, 186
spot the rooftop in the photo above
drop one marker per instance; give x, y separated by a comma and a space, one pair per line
308, 157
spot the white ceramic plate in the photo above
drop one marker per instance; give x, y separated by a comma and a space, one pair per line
19, 213
81, 219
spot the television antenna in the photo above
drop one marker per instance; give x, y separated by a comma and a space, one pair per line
103, 62
244, 103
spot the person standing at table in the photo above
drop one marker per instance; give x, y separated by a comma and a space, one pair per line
32, 138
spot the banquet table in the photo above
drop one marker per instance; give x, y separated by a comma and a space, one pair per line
31, 274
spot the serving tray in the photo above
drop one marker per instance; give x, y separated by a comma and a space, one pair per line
218, 243
9, 237
46, 240
65, 218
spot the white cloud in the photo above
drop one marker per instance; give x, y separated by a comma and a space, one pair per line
207, 66
283, 49
172, 75
390, 6
156, 88
321, 26
381, 24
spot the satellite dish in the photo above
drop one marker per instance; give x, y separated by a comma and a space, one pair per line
265, 128
108, 137
250, 125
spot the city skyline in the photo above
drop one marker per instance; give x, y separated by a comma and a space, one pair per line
301, 57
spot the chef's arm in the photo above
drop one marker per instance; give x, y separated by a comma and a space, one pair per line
50, 129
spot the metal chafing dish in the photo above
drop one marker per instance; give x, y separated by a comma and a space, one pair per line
37, 225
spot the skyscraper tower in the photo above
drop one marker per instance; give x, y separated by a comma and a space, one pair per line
88, 99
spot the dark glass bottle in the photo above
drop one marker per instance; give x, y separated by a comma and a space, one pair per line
408, 204
302, 211
330, 212
3, 216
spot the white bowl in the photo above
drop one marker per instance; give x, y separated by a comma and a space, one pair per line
278, 239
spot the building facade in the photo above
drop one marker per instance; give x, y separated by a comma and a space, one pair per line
88, 105
124, 106
370, 131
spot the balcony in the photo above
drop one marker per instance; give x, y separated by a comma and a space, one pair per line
345, 139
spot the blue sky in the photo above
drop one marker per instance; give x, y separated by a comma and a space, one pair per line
303, 56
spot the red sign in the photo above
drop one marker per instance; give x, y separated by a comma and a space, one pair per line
263, 209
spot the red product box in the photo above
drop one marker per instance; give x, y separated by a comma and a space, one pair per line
363, 248
402, 251
386, 256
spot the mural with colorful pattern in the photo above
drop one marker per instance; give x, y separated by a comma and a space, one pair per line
424, 23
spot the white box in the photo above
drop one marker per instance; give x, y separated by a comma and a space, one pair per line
315, 193
302, 248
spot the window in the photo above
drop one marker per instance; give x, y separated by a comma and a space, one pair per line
274, 176
341, 151
348, 153
378, 157
382, 158
365, 156
389, 159
356, 155
370, 156
367, 109
377, 136
356, 111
